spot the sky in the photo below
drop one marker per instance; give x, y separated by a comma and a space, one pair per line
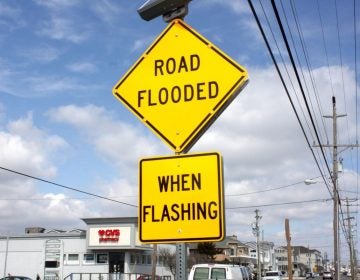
59, 121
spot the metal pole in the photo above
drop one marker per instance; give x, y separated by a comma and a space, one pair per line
154, 262
257, 228
181, 257
6, 254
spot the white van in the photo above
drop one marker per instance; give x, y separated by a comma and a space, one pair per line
215, 271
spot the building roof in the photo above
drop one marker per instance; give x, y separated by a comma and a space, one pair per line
302, 250
224, 244
263, 244
111, 220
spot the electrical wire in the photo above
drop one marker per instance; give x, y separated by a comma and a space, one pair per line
113, 200
65, 187
281, 203
285, 67
308, 65
299, 81
286, 90
271, 189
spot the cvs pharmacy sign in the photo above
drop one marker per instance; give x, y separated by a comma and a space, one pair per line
109, 235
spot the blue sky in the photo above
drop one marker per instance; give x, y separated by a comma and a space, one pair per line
59, 60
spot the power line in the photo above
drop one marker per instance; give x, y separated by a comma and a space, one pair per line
298, 80
271, 189
65, 187
288, 94
281, 203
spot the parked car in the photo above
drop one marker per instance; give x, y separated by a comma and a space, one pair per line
147, 277
11, 277
215, 271
272, 275
327, 275
245, 273
309, 275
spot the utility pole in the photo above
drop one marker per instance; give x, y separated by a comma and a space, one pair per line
288, 242
334, 179
350, 240
257, 232
336, 198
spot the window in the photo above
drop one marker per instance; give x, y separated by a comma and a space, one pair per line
89, 259
218, 273
101, 258
132, 259
72, 259
51, 264
201, 273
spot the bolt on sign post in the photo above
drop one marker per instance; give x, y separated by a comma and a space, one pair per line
180, 85
181, 199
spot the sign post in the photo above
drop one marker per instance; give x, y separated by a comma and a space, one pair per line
178, 88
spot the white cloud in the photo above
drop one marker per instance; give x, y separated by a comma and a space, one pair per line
60, 28
26, 148
39, 84
141, 44
56, 4
10, 16
44, 54
29, 150
82, 67
237, 6
116, 141
106, 10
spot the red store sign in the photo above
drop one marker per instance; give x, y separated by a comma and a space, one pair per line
109, 235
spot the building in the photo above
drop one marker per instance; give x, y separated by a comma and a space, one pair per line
108, 247
310, 258
230, 250
267, 254
303, 260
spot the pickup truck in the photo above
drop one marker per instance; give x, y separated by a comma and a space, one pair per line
272, 275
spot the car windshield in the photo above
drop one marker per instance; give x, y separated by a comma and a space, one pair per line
16, 278
272, 273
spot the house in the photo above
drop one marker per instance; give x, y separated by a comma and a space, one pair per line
303, 260
230, 250
267, 254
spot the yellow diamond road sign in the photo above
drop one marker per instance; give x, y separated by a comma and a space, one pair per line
180, 85
181, 199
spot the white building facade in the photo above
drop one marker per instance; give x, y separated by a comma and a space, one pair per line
108, 249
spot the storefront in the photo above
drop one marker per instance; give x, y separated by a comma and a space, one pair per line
107, 246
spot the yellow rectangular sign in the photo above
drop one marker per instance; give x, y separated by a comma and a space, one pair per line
181, 199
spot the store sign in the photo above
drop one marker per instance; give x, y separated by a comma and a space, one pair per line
109, 235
